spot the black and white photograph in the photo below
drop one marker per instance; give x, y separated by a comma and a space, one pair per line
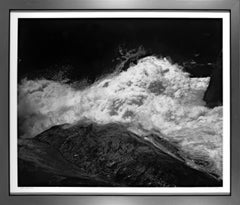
120, 102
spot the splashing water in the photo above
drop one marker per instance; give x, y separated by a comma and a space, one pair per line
154, 96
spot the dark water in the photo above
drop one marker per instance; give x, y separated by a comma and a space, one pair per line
90, 46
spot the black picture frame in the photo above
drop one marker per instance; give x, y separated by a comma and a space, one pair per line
231, 6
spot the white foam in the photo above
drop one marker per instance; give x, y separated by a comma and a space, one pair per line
153, 95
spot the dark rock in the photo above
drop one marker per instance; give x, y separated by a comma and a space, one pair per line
102, 155
214, 93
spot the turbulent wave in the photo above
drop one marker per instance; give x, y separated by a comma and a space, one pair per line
153, 96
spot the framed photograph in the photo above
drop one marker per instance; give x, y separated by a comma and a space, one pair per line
121, 100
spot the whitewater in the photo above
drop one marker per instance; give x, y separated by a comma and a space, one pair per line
152, 96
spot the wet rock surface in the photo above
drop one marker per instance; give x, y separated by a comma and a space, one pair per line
88, 154
214, 93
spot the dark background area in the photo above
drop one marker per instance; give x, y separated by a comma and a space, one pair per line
89, 46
